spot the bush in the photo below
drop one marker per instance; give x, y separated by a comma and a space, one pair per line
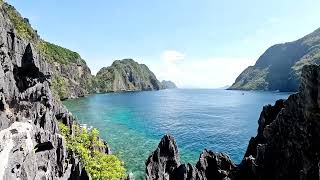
59, 88
55, 53
84, 144
23, 28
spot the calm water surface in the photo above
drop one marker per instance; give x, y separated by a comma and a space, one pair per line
133, 123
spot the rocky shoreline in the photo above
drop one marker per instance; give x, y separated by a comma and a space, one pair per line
286, 146
32, 147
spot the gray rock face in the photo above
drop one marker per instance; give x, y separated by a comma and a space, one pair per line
286, 146
164, 160
76, 78
31, 146
164, 164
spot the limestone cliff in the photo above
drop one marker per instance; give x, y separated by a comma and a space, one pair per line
126, 75
71, 77
31, 145
286, 146
279, 68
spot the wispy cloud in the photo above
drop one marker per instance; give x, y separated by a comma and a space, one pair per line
172, 55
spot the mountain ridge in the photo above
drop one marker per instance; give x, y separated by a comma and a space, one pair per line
279, 67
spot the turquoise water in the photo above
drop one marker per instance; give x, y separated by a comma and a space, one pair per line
134, 122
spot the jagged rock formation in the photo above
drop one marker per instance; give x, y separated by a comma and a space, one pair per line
71, 77
286, 146
279, 68
126, 75
163, 161
164, 164
31, 146
168, 85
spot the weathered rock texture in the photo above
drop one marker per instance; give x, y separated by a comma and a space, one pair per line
279, 68
287, 145
163, 161
75, 79
126, 75
71, 77
164, 164
31, 146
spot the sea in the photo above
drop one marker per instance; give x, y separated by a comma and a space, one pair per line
133, 123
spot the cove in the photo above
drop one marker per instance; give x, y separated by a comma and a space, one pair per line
133, 123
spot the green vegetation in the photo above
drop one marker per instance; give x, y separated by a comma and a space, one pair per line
91, 84
59, 88
23, 28
313, 57
126, 75
84, 144
55, 53
251, 78
284, 63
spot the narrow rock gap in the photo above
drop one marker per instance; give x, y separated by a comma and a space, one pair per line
46, 146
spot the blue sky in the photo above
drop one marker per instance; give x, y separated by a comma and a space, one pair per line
196, 43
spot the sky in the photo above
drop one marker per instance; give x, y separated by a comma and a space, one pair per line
195, 43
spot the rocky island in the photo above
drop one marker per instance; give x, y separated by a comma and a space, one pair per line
126, 75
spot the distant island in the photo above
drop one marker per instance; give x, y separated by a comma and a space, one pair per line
126, 75
168, 85
279, 68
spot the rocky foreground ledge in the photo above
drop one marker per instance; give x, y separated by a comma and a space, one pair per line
287, 145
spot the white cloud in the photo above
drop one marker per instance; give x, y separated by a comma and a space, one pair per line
172, 55
206, 73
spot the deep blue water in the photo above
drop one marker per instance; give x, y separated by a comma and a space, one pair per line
134, 122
